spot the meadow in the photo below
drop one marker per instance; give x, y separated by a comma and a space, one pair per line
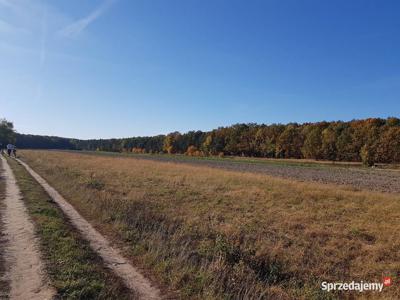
210, 233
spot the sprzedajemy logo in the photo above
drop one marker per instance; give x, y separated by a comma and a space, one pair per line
360, 286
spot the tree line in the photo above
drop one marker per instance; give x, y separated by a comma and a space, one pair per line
7, 133
373, 140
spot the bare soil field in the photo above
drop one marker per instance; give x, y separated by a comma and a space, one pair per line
212, 233
373, 180
358, 178
352, 175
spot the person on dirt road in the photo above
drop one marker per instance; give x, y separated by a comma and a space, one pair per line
14, 150
10, 148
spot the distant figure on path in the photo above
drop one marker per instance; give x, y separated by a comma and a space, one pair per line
10, 148
15, 151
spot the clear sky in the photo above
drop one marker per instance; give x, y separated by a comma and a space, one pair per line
119, 68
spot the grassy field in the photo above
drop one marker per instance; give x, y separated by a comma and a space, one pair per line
75, 271
213, 234
352, 177
4, 286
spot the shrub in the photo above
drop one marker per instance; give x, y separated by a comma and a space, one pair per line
192, 151
138, 150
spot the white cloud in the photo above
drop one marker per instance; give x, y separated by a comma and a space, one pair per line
75, 28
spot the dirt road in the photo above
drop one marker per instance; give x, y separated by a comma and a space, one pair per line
110, 255
24, 267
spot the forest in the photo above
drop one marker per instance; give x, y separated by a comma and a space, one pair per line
373, 140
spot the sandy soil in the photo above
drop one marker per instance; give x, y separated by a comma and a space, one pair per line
25, 270
111, 256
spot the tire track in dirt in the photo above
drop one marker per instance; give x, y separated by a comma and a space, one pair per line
24, 267
111, 256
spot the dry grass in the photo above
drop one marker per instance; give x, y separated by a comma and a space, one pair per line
217, 234
372, 179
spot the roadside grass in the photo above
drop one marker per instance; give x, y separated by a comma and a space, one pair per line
4, 285
75, 270
217, 234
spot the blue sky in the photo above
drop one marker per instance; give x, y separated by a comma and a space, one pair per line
119, 68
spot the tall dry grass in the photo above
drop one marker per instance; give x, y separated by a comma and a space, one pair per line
215, 234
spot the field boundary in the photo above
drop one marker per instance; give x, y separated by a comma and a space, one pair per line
353, 178
111, 256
